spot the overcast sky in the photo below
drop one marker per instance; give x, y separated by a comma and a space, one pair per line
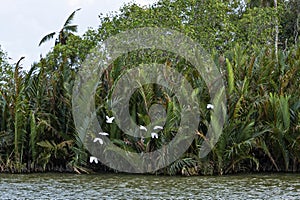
24, 22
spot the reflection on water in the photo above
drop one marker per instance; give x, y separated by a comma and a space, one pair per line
119, 186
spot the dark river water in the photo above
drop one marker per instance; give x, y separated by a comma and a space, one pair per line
120, 186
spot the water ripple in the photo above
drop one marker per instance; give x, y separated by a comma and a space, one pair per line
120, 186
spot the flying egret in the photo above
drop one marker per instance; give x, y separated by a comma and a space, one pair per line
109, 120
103, 133
143, 128
210, 106
154, 135
93, 159
98, 140
158, 127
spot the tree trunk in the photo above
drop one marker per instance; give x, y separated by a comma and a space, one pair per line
276, 31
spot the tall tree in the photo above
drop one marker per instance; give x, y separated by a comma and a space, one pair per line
64, 32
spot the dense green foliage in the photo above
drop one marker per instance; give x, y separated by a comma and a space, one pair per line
262, 132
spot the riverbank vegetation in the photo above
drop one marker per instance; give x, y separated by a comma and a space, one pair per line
255, 45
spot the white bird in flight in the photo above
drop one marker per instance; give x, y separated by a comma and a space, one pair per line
93, 159
154, 135
98, 140
109, 120
158, 127
143, 128
210, 106
103, 133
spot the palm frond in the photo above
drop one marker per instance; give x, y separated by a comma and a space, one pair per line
46, 38
70, 18
70, 28
230, 76
285, 111
33, 136
181, 165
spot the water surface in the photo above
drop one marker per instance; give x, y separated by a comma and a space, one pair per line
120, 186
